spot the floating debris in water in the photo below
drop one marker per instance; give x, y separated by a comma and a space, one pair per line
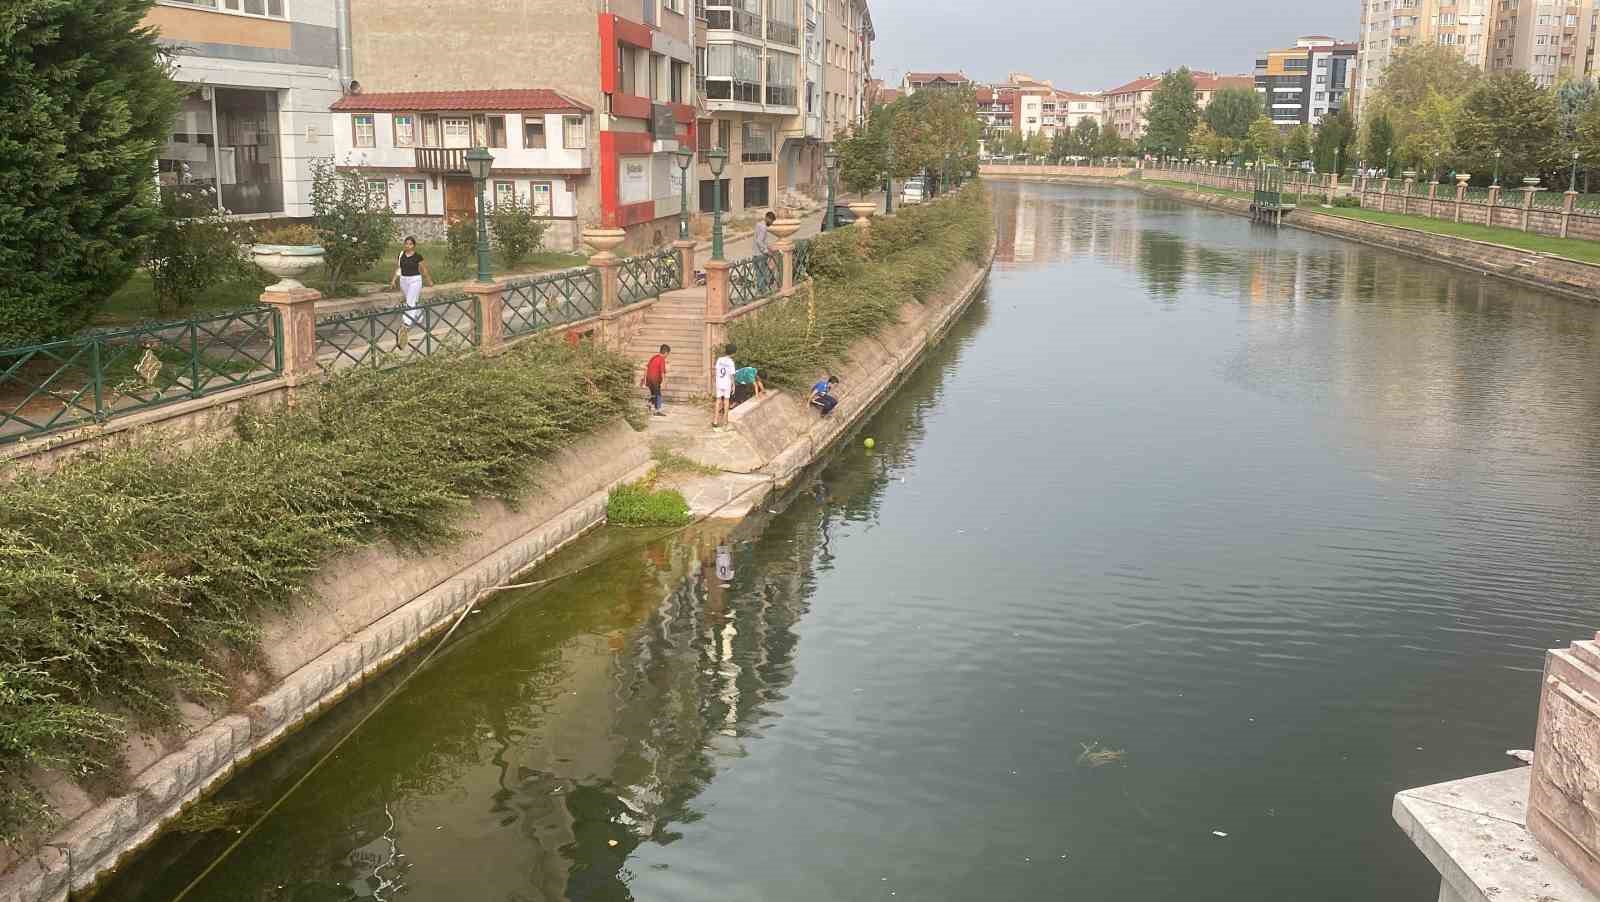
1219, 833
1095, 755
204, 817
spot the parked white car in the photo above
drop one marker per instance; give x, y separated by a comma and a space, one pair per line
911, 192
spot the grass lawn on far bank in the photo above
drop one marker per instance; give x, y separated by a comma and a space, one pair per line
135, 301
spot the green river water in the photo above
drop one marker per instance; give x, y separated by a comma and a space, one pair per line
1286, 521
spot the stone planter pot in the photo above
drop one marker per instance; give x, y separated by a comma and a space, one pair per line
783, 228
1531, 181
604, 241
286, 261
864, 209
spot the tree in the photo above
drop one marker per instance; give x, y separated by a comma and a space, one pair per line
1263, 139
1575, 97
1411, 76
353, 226
1232, 111
1297, 144
1431, 142
1333, 137
1174, 112
1210, 145
862, 153
1110, 144
1509, 112
1086, 137
1380, 141
86, 108
192, 249
1062, 144
933, 127
1037, 145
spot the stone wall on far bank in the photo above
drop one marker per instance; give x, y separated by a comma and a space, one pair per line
1546, 272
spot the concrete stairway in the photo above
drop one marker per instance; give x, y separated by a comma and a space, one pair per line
678, 318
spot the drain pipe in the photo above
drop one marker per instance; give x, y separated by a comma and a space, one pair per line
341, 10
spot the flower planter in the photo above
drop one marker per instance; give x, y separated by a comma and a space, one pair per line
286, 261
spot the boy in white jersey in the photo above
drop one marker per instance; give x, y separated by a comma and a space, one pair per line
724, 371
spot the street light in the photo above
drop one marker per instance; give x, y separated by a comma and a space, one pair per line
716, 159
1574, 186
685, 157
830, 160
478, 161
1497, 167
888, 176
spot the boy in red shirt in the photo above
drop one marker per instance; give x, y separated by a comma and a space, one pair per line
655, 372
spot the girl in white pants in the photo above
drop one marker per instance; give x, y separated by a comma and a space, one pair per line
409, 274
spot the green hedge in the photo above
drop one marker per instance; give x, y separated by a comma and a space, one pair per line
861, 280
134, 575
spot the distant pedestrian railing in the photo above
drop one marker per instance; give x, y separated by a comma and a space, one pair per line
534, 304
648, 276
754, 278
392, 336
802, 259
95, 377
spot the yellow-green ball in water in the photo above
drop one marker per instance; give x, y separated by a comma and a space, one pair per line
870, 443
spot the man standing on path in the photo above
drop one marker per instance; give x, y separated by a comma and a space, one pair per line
724, 371
655, 373
763, 246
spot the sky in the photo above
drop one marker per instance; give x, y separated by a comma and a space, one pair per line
1090, 45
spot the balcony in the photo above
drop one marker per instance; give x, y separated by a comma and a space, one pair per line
726, 89
725, 19
783, 33
781, 95
442, 159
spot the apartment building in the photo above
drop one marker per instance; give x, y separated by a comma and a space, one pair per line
260, 76
1388, 26
1307, 82
917, 81
1127, 107
1550, 41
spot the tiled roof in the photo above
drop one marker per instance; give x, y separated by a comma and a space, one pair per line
1203, 81
985, 94
1136, 86
538, 99
888, 95
918, 78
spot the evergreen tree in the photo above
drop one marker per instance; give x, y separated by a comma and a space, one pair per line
1086, 137
1509, 112
1330, 150
1297, 144
86, 107
1380, 141
1174, 113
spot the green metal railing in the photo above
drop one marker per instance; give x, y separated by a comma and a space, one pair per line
98, 376
1588, 203
1549, 200
1476, 196
393, 336
802, 259
535, 304
754, 278
648, 276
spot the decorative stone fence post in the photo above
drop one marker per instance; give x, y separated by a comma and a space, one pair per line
1562, 812
1433, 193
685, 249
1494, 202
1568, 207
297, 322
603, 241
1529, 186
717, 309
784, 229
1461, 191
1405, 193
1333, 186
490, 298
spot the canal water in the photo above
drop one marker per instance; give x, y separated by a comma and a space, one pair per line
1270, 524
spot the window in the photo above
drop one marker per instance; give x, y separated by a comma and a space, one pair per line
781, 89
272, 8
657, 63
540, 198
757, 143
416, 196
430, 132
573, 135
755, 192
377, 193
457, 133
532, 130
489, 131
707, 187
627, 70
505, 193
680, 81
364, 129
405, 130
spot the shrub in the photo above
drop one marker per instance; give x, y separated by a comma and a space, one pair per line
517, 232
461, 243
353, 225
640, 504
1348, 201
193, 249
291, 235
135, 573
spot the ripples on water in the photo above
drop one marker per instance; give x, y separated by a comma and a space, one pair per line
1289, 520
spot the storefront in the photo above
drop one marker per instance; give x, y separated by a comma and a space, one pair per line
225, 146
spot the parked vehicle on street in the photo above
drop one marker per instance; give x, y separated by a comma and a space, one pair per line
842, 216
912, 192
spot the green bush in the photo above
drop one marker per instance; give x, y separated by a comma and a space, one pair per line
640, 504
135, 574
1348, 202
461, 243
860, 284
354, 224
517, 232
193, 249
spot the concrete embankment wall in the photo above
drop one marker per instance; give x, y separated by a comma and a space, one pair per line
369, 608
1543, 271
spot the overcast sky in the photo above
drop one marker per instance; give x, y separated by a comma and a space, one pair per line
1089, 45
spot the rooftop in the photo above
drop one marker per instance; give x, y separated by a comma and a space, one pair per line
534, 99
